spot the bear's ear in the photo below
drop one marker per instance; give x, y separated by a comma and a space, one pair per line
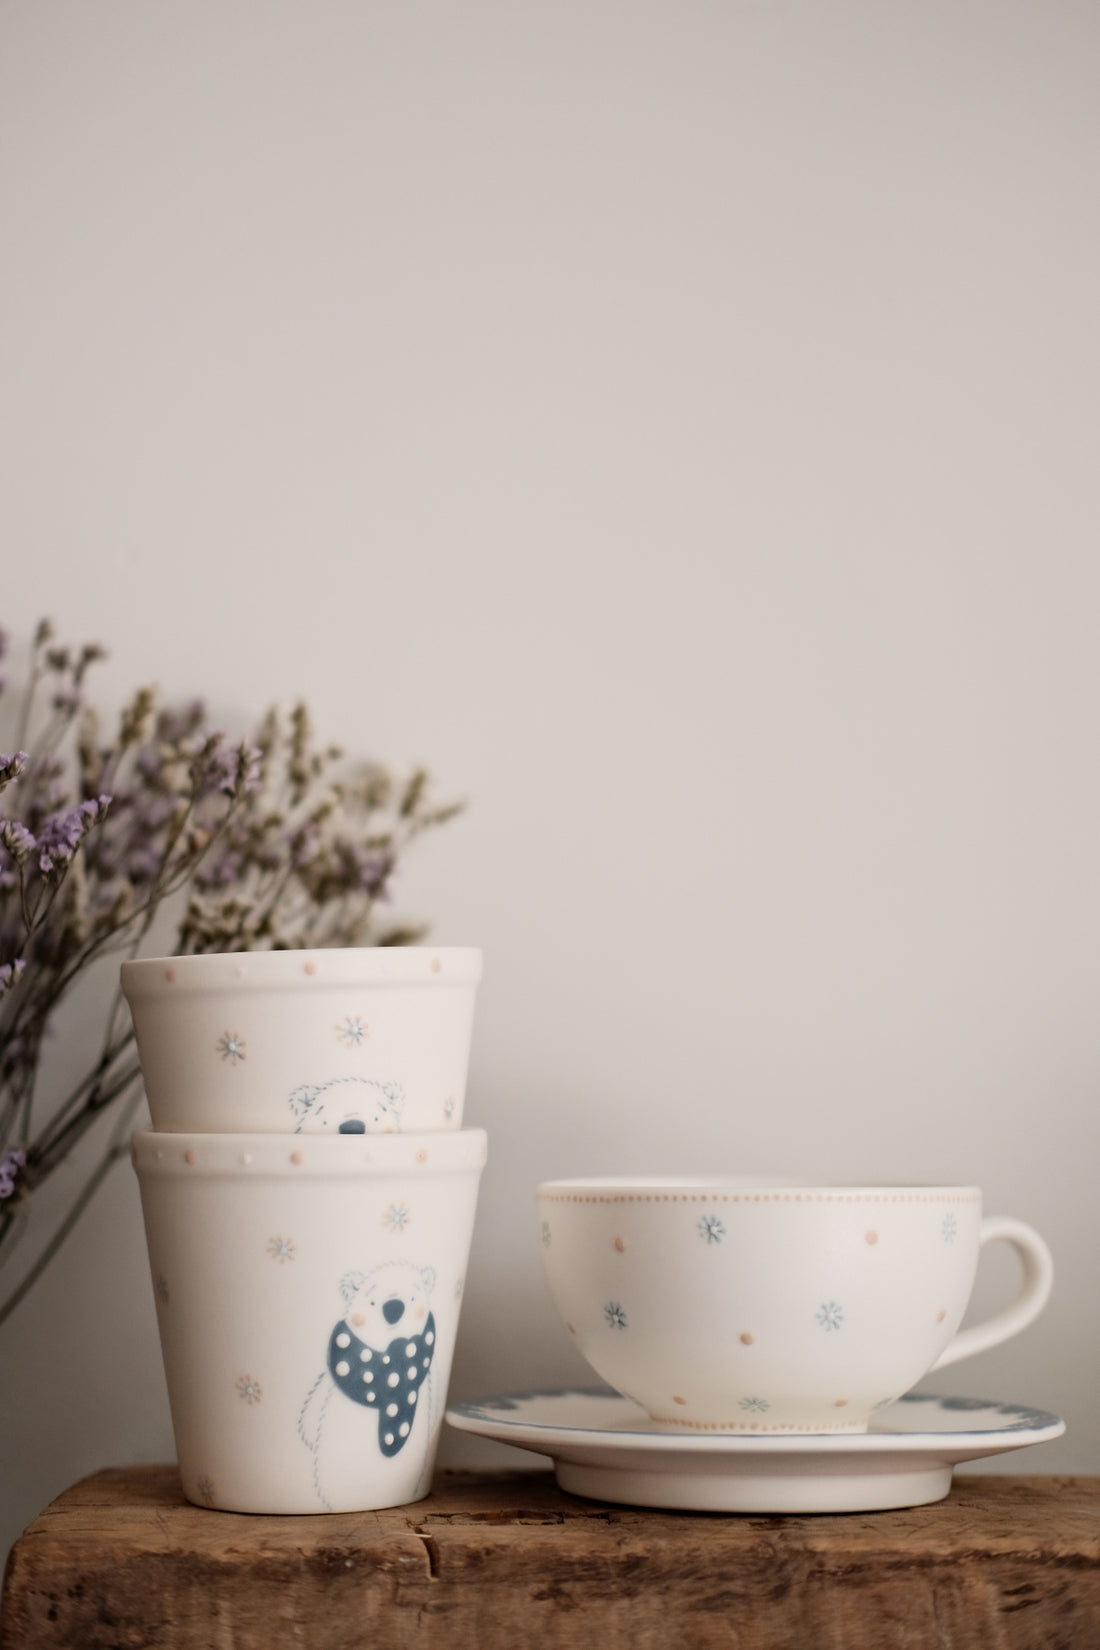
350, 1285
427, 1278
303, 1098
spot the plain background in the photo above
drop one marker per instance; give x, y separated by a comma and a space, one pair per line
676, 424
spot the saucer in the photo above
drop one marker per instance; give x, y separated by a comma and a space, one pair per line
605, 1447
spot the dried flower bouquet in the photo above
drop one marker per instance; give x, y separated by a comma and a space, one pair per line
272, 842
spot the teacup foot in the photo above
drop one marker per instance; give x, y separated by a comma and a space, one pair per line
789, 1486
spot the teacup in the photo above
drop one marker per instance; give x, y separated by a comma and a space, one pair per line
370, 1040
307, 1296
730, 1306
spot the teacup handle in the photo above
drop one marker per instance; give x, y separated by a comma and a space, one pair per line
1034, 1291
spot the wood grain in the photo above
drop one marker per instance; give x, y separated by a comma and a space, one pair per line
121, 1561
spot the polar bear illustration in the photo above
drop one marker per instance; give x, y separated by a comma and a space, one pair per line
370, 1107
364, 1408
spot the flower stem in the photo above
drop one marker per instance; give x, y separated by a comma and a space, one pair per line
116, 1148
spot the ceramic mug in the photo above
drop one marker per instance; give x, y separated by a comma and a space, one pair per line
723, 1305
369, 1040
307, 1294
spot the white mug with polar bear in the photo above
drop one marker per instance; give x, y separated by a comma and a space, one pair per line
308, 1292
368, 1040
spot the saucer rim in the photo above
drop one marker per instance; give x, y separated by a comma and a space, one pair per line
477, 1416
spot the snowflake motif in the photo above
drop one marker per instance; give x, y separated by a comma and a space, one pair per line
448, 1108
206, 1488
351, 1031
546, 1234
616, 1317
249, 1390
949, 1227
711, 1229
231, 1047
830, 1316
281, 1249
756, 1406
396, 1217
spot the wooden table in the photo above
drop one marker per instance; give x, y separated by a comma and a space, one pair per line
510, 1561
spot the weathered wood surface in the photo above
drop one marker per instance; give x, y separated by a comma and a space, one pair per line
121, 1561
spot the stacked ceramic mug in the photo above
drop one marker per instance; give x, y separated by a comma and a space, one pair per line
309, 1196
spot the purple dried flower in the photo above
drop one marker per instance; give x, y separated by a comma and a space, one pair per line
16, 839
59, 839
143, 864
220, 873
213, 766
306, 844
63, 832
9, 974
176, 724
157, 814
223, 770
366, 871
10, 1163
251, 767
11, 766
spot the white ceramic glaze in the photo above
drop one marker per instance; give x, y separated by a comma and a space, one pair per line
604, 1446
725, 1305
308, 1293
375, 1039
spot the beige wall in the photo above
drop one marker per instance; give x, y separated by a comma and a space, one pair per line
676, 422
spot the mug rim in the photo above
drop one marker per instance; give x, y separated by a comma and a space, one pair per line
743, 1189
428, 965
195, 1156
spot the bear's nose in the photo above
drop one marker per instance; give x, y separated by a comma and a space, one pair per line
393, 1311
353, 1125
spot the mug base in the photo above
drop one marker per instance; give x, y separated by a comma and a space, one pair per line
293, 1504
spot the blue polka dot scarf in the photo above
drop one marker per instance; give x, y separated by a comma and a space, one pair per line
386, 1381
